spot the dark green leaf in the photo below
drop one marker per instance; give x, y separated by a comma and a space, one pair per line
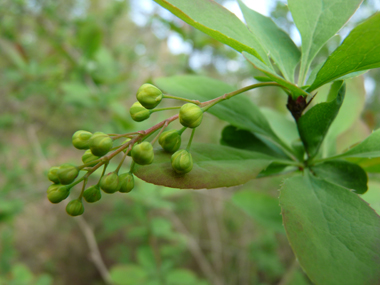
359, 51
276, 168
372, 196
294, 89
276, 42
261, 207
238, 111
214, 166
211, 18
317, 21
333, 232
314, 125
368, 164
238, 138
343, 173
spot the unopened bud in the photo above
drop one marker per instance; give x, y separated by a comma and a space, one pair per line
149, 96
190, 115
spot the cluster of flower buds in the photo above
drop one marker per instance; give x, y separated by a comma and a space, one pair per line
98, 147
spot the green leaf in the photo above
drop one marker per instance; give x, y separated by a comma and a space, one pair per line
276, 42
371, 165
369, 148
343, 173
276, 168
314, 125
372, 196
359, 51
317, 21
214, 166
211, 18
181, 277
262, 207
294, 89
128, 274
242, 139
238, 111
333, 232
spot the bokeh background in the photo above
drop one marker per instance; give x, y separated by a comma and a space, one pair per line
76, 64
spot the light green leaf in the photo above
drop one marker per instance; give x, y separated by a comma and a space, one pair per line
278, 44
262, 207
343, 173
214, 166
211, 18
359, 51
314, 125
333, 232
317, 21
128, 274
238, 111
294, 89
369, 148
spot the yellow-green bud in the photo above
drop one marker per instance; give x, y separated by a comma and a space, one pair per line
149, 96
143, 153
170, 141
190, 115
57, 193
75, 208
52, 174
67, 173
81, 139
88, 157
100, 144
92, 194
138, 112
127, 182
182, 161
110, 183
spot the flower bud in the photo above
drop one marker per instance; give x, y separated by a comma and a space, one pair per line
52, 174
190, 115
149, 96
143, 153
170, 141
88, 157
100, 144
92, 194
81, 139
127, 182
57, 193
67, 173
75, 208
182, 162
138, 112
110, 183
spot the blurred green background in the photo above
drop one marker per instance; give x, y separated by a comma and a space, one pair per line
76, 64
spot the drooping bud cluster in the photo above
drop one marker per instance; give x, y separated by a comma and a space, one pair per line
98, 145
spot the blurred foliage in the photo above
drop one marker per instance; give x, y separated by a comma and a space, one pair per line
76, 64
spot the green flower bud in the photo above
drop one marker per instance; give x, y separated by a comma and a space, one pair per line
110, 183
57, 193
149, 96
170, 141
92, 194
88, 157
182, 162
67, 173
75, 208
127, 182
81, 139
190, 115
52, 174
143, 153
100, 144
138, 112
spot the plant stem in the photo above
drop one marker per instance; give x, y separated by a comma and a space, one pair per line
158, 135
164, 109
190, 140
181, 99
